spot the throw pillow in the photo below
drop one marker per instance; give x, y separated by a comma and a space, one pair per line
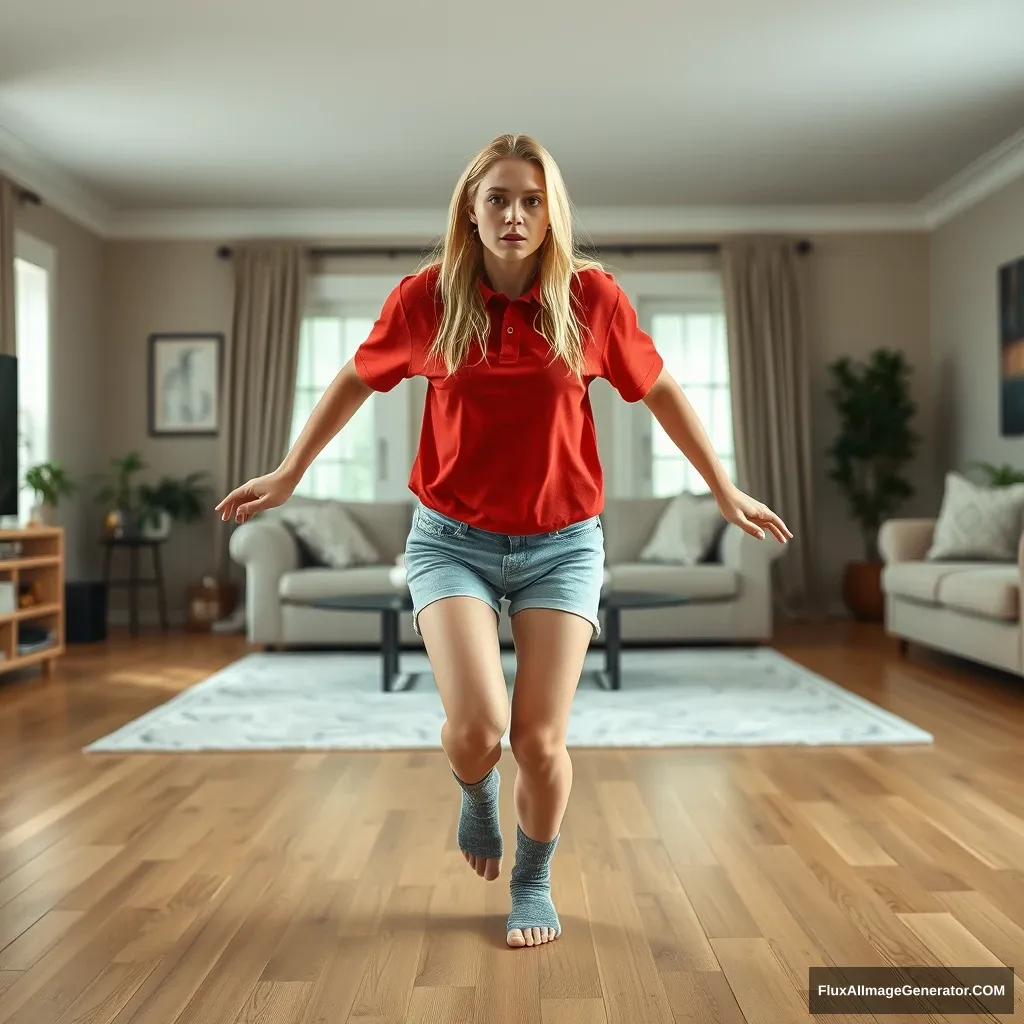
980, 523
686, 532
330, 533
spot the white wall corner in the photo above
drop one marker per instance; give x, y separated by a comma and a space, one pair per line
990, 172
56, 187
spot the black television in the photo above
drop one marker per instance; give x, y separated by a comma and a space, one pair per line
8, 436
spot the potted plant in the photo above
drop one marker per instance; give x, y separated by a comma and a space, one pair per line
49, 482
118, 493
171, 501
999, 476
874, 444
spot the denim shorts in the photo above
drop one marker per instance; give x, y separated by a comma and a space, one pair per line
563, 569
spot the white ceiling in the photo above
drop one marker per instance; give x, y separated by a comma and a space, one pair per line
310, 104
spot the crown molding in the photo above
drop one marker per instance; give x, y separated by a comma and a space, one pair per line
992, 171
414, 225
56, 187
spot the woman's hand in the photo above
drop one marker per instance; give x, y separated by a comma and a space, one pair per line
752, 516
260, 493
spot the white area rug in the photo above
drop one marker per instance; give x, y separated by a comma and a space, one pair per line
669, 698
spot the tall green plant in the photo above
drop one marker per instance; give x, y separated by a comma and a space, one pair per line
999, 476
875, 440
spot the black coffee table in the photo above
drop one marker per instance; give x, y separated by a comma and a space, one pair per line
391, 605
614, 602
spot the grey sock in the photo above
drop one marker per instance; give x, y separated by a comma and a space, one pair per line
479, 827
531, 885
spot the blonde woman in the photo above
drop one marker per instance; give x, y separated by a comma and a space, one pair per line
509, 324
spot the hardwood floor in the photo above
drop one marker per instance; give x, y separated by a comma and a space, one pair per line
692, 885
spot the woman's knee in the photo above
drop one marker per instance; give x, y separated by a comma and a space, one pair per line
474, 738
536, 747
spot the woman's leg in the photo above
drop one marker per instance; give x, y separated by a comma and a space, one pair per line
550, 649
461, 638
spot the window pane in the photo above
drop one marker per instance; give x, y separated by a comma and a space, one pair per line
357, 482
346, 468
720, 430
304, 374
699, 349
720, 357
327, 479
694, 346
669, 476
356, 331
327, 359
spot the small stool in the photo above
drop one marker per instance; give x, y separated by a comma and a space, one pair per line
134, 581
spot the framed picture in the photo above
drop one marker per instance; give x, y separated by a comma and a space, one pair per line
185, 384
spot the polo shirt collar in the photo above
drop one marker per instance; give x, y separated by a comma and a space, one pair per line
531, 295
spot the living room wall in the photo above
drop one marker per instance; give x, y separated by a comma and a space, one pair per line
864, 290
157, 287
966, 254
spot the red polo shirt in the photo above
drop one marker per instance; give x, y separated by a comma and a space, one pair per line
510, 445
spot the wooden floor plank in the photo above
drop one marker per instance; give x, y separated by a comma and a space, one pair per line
693, 885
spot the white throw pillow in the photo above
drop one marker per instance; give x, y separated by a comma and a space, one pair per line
686, 531
981, 523
329, 532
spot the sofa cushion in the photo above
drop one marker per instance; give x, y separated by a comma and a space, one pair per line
700, 582
920, 580
303, 585
993, 591
977, 522
328, 532
686, 532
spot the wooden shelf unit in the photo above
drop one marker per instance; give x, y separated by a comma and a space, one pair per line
39, 561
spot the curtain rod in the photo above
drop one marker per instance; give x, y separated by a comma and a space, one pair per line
626, 249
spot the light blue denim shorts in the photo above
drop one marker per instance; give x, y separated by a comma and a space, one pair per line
563, 569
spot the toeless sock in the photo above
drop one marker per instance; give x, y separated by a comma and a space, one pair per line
479, 827
531, 885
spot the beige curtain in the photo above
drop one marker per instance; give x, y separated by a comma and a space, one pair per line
8, 345
764, 304
261, 364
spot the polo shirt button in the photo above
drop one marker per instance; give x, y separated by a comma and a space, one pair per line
509, 330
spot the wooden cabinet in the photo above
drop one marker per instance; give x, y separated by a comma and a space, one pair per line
34, 574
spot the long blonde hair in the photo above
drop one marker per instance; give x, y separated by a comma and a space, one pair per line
459, 259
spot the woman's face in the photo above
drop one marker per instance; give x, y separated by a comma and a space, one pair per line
511, 201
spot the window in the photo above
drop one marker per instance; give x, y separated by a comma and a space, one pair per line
33, 265
684, 313
367, 460
344, 469
693, 343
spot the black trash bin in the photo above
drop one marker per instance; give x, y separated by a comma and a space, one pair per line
85, 612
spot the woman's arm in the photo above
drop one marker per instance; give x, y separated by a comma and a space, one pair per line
671, 408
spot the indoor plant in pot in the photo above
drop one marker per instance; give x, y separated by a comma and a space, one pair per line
118, 495
874, 444
49, 482
171, 501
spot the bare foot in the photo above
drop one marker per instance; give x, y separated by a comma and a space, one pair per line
531, 937
485, 867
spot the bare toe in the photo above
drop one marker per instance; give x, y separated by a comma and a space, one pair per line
515, 938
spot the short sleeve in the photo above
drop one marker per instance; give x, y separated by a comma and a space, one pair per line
629, 360
383, 358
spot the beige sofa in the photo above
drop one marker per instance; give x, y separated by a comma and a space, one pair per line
731, 597
970, 609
